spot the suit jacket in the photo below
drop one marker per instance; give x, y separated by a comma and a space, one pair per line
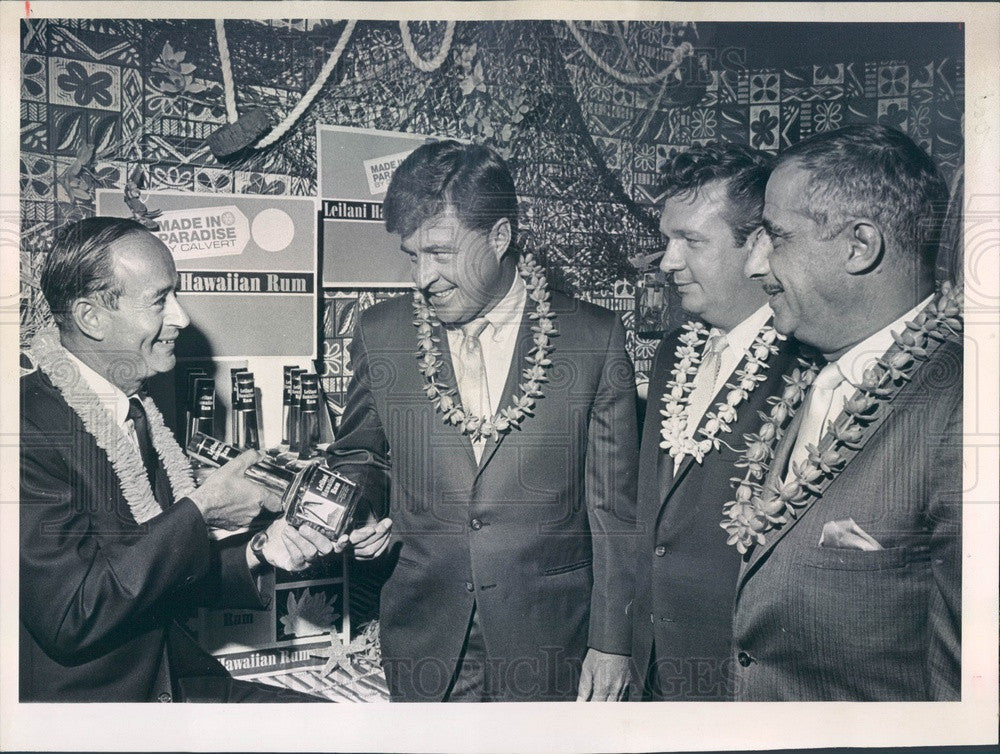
686, 573
817, 622
537, 535
100, 592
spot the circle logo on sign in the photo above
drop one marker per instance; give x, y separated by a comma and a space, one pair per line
272, 230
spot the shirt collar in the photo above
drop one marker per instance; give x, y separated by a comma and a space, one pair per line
508, 310
863, 355
111, 396
741, 336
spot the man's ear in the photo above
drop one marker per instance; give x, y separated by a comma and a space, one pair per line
89, 318
500, 235
866, 246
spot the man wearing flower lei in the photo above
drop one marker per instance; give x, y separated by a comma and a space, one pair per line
508, 413
709, 381
114, 535
847, 502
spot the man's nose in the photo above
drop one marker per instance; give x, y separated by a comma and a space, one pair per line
672, 259
175, 314
757, 265
423, 273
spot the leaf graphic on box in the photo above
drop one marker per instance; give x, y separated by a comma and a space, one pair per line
308, 615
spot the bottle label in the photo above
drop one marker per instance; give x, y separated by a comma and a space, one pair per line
245, 394
206, 402
326, 502
310, 393
286, 393
210, 451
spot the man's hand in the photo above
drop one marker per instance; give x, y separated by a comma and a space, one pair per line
369, 541
228, 500
604, 677
292, 549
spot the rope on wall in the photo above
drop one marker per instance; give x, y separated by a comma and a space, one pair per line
228, 87
307, 99
434, 63
683, 50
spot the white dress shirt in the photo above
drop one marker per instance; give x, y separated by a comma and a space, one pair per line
498, 340
111, 397
738, 340
852, 365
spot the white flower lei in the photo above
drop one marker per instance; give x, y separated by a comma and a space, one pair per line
759, 508
50, 356
677, 393
446, 400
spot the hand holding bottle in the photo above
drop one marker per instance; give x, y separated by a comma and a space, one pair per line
368, 541
292, 549
228, 500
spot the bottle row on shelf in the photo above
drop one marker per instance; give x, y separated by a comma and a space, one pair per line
300, 411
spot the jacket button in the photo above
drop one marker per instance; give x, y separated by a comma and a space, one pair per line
469, 587
476, 524
164, 697
660, 551
744, 659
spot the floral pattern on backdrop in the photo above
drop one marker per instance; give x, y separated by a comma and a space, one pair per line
113, 103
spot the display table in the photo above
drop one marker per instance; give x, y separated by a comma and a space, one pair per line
365, 684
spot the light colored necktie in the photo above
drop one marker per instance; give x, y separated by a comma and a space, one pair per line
707, 377
471, 375
817, 407
705, 381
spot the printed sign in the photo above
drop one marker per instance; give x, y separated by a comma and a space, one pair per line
354, 168
246, 270
380, 169
204, 232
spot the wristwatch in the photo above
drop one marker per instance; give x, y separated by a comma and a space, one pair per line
257, 543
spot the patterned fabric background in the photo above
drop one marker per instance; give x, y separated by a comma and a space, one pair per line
103, 102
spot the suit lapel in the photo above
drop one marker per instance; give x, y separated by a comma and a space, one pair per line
668, 483
778, 469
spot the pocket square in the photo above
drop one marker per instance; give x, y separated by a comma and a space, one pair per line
847, 535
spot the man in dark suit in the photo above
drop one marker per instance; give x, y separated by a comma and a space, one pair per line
509, 414
700, 388
114, 534
851, 589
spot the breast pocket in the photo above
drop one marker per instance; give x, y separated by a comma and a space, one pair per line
864, 600
844, 559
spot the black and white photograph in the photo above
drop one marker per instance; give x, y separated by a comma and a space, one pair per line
382, 357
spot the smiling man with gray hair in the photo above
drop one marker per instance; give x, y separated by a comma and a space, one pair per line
851, 583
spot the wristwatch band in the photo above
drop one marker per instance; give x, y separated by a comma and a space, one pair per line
257, 543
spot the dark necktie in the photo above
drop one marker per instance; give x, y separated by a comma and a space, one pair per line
149, 459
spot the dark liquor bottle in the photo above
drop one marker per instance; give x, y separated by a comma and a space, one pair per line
231, 427
315, 495
293, 412
245, 434
203, 409
286, 407
309, 416
191, 399
208, 451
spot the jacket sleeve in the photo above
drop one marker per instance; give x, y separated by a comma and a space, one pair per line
83, 582
361, 436
227, 581
945, 606
611, 465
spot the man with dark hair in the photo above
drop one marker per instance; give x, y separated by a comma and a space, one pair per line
709, 381
114, 534
509, 413
851, 582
